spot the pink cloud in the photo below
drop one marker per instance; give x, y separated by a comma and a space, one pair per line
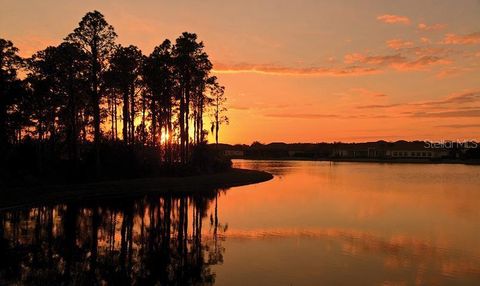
356, 58
453, 39
462, 97
456, 126
290, 71
367, 93
353, 58
397, 44
457, 105
393, 19
421, 63
302, 115
425, 40
378, 106
448, 114
453, 101
433, 27
430, 51
355, 64
452, 72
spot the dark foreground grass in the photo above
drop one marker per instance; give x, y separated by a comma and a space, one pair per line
16, 197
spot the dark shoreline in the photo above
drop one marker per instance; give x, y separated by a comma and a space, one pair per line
366, 160
19, 197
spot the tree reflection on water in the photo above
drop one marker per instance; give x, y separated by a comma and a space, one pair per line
143, 241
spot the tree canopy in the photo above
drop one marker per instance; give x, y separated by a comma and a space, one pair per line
89, 92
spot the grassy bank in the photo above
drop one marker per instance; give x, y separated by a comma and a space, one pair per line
14, 197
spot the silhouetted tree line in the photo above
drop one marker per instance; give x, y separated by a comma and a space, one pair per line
71, 98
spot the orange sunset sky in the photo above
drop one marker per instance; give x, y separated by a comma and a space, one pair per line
305, 71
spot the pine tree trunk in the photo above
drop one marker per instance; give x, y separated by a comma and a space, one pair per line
126, 117
132, 115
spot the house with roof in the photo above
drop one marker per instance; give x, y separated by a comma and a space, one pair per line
360, 150
415, 150
386, 150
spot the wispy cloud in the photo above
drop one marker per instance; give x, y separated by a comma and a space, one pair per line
425, 40
397, 44
355, 64
351, 70
407, 58
301, 115
394, 19
325, 115
397, 61
456, 105
433, 27
463, 97
448, 114
356, 58
378, 106
454, 39
366, 92
462, 104
452, 72
421, 63
456, 126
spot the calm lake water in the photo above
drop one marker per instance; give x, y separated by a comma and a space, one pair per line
315, 223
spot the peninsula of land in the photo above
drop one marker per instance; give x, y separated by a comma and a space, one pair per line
21, 196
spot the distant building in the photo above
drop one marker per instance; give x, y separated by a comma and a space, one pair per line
384, 150
360, 150
420, 153
424, 153
415, 150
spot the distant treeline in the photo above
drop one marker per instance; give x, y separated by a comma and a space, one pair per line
88, 104
373, 150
